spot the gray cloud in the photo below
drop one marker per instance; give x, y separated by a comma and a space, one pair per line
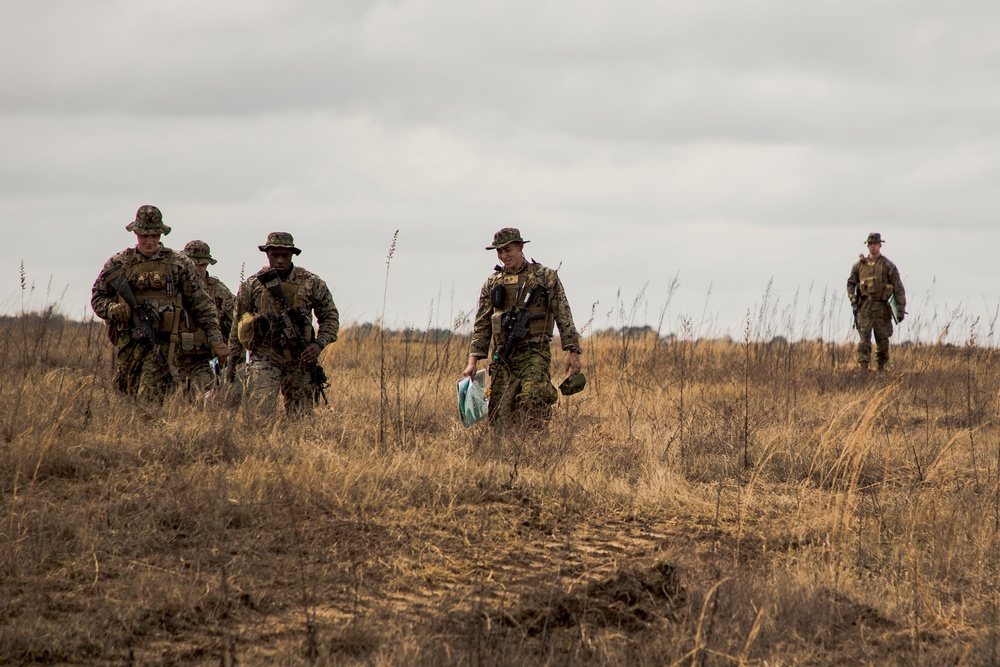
729, 143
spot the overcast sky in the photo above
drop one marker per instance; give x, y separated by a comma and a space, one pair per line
731, 145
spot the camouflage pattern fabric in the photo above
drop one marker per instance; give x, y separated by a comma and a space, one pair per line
148, 220
190, 289
482, 332
874, 315
524, 389
138, 372
267, 377
280, 241
195, 373
199, 252
309, 292
225, 304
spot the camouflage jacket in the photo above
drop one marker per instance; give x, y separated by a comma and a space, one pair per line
225, 304
485, 328
304, 290
877, 279
183, 288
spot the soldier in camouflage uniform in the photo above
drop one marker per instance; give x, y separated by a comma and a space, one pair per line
873, 280
169, 282
274, 367
523, 388
195, 354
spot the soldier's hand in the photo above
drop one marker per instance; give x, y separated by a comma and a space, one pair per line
901, 315
573, 363
231, 370
120, 312
221, 350
311, 353
470, 368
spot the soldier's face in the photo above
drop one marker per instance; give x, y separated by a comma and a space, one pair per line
202, 270
874, 249
147, 244
511, 256
280, 260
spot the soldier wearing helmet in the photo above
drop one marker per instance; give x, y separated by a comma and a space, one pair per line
167, 283
875, 290
521, 387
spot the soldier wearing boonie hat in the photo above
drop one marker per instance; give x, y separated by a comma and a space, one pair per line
877, 299
521, 387
194, 362
275, 367
166, 281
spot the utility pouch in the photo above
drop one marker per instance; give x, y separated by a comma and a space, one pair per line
887, 291
187, 341
497, 295
156, 281
167, 320
497, 323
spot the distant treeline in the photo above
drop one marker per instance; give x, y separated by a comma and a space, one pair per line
441, 335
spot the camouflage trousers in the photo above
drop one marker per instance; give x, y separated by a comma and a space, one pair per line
267, 377
523, 390
874, 316
195, 374
138, 373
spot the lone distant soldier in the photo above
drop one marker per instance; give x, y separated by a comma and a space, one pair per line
873, 281
274, 311
195, 355
167, 291
521, 386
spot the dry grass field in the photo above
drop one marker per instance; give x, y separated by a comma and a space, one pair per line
700, 503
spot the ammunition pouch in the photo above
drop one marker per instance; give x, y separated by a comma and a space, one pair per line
193, 341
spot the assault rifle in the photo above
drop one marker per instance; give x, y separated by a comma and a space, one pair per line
144, 317
855, 307
515, 323
288, 325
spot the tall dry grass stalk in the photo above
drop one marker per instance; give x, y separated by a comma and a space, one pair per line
701, 502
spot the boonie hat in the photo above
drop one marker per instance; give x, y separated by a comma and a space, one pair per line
506, 236
874, 237
199, 252
282, 240
148, 220
573, 384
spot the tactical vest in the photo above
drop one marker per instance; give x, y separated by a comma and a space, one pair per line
514, 288
192, 339
152, 281
296, 293
871, 279
297, 296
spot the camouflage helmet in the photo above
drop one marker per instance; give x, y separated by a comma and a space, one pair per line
505, 237
199, 252
279, 241
148, 220
874, 237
